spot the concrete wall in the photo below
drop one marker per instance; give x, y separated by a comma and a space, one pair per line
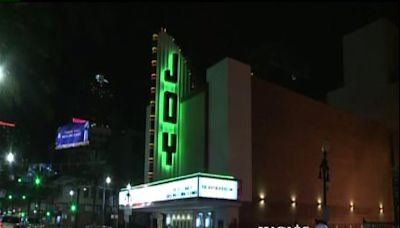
287, 133
193, 134
217, 78
230, 122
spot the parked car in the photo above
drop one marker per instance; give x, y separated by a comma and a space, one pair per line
11, 222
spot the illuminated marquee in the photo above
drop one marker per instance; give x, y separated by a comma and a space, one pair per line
192, 186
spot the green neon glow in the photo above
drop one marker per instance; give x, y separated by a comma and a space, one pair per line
37, 181
166, 48
73, 207
166, 64
181, 178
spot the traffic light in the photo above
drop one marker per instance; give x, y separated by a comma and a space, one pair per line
37, 181
24, 197
73, 207
10, 197
48, 213
19, 180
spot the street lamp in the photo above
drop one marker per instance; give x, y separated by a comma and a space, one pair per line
128, 187
71, 193
107, 181
10, 158
324, 175
2, 74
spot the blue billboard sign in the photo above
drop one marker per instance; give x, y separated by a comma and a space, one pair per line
72, 135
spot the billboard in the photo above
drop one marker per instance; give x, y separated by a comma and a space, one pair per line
7, 124
72, 135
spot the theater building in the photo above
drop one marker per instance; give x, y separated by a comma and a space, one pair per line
242, 152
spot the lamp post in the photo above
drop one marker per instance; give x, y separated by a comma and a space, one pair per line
324, 175
128, 186
127, 207
107, 181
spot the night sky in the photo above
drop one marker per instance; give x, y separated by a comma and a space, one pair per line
52, 51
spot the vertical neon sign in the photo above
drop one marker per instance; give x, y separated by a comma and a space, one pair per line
168, 86
170, 110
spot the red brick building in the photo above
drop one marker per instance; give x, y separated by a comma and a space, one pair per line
288, 130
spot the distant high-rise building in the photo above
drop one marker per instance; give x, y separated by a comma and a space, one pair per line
371, 74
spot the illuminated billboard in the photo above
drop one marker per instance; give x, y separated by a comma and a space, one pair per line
192, 186
72, 135
7, 124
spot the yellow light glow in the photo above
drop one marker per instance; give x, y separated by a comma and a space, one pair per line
262, 196
293, 201
262, 199
380, 208
351, 206
319, 203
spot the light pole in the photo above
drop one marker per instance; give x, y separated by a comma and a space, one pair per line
108, 181
324, 175
126, 215
128, 186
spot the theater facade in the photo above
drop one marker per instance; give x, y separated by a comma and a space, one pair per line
242, 152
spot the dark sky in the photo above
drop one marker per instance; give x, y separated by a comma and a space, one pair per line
52, 50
